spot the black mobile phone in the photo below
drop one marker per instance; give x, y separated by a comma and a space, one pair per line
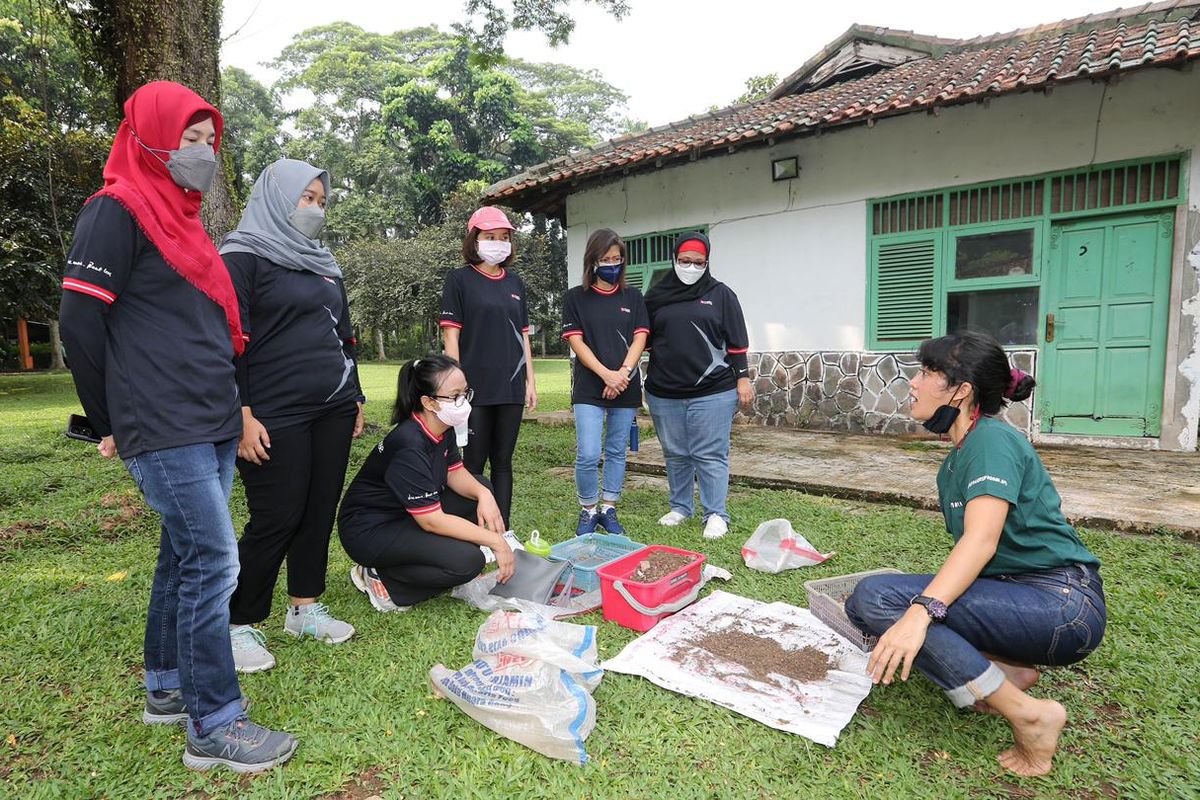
79, 428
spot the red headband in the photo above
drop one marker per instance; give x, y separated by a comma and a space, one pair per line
693, 246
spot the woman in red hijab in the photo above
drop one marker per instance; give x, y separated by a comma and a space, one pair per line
150, 322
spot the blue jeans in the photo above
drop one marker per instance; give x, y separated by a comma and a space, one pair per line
1055, 617
694, 433
187, 628
593, 425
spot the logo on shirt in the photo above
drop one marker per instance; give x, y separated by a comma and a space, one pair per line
91, 265
331, 280
991, 478
380, 448
706, 302
413, 498
625, 310
956, 504
515, 296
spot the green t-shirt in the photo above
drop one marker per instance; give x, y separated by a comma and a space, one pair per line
997, 461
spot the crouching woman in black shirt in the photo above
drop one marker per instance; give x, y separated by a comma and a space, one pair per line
413, 518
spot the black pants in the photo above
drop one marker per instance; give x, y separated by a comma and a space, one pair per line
415, 564
493, 439
293, 499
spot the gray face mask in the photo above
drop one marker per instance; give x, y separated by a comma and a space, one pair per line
308, 220
193, 167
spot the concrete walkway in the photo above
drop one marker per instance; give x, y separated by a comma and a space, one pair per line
1126, 490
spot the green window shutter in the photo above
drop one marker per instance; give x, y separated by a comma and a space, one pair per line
650, 256
903, 286
636, 277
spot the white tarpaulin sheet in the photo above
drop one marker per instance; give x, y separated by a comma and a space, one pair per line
818, 710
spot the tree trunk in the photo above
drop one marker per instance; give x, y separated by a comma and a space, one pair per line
56, 349
140, 41
380, 353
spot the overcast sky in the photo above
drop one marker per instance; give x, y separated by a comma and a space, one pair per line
673, 58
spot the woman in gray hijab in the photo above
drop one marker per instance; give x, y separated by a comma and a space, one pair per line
301, 405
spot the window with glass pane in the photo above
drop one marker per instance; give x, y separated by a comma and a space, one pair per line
994, 255
1011, 315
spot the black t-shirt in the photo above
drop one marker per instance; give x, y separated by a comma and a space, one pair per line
492, 316
149, 352
403, 476
607, 321
299, 359
698, 348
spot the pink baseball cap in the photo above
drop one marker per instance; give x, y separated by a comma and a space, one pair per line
488, 218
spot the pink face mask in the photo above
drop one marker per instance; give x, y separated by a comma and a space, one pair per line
453, 415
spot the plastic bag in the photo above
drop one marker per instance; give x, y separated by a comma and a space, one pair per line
775, 546
531, 681
478, 593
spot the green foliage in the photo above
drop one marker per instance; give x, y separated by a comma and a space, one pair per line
54, 124
252, 137
77, 547
758, 87
489, 22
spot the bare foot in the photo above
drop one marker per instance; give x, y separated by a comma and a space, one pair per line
1020, 676
1035, 739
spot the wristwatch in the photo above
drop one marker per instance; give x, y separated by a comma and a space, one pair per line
936, 609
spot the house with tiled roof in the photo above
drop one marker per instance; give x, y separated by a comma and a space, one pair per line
1042, 185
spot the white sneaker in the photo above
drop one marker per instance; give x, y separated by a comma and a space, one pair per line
249, 652
671, 519
315, 620
367, 581
715, 527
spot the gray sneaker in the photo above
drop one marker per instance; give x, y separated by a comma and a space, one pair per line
168, 708
242, 746
249, 652
367, 581
315, 620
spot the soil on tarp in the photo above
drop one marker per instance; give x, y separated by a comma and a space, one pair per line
658, 565
761, 656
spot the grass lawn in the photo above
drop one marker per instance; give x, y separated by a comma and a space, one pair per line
76, 558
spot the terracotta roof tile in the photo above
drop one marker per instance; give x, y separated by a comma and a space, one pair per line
978, 68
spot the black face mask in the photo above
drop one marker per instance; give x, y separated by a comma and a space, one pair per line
942, 419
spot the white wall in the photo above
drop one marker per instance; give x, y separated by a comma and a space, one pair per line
795, 251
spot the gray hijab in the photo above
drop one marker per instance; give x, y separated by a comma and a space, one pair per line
265, 230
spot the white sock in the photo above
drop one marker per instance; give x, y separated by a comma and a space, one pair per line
604, 509
591, 510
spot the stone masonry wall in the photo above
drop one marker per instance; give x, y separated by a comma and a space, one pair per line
858, 392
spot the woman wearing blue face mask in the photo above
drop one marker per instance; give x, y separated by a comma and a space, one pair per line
301, 404
606, 325
413, 518
1019, 588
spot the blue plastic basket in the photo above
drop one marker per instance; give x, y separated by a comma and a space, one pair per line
589, 552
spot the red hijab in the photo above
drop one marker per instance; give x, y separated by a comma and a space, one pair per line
160, 112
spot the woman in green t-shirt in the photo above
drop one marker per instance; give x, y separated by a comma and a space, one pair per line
1019, 588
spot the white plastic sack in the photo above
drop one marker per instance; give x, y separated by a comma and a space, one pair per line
531, 681
775, 546
478, 593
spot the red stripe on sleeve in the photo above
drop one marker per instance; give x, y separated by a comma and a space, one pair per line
736, 350
569, 334
90, 289
426, 509
525, 329
454, 466
448, 324
636, 331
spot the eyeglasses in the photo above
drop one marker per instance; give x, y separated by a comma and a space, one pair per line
457, 399
684, 263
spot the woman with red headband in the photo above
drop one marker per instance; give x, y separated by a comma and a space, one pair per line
485, 324
150, 320
696, 378
1019, 587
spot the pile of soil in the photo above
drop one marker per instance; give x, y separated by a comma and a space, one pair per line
659, 564
761, 656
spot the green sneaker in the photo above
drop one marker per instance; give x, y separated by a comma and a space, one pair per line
241, 746
315, 620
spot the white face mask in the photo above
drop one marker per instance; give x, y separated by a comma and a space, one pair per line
453, 415
494, 251
688, 273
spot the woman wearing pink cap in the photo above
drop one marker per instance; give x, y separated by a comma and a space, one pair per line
485, 324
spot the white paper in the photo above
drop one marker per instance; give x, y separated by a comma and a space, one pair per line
817, 711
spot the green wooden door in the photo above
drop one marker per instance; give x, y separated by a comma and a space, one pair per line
1105, 343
